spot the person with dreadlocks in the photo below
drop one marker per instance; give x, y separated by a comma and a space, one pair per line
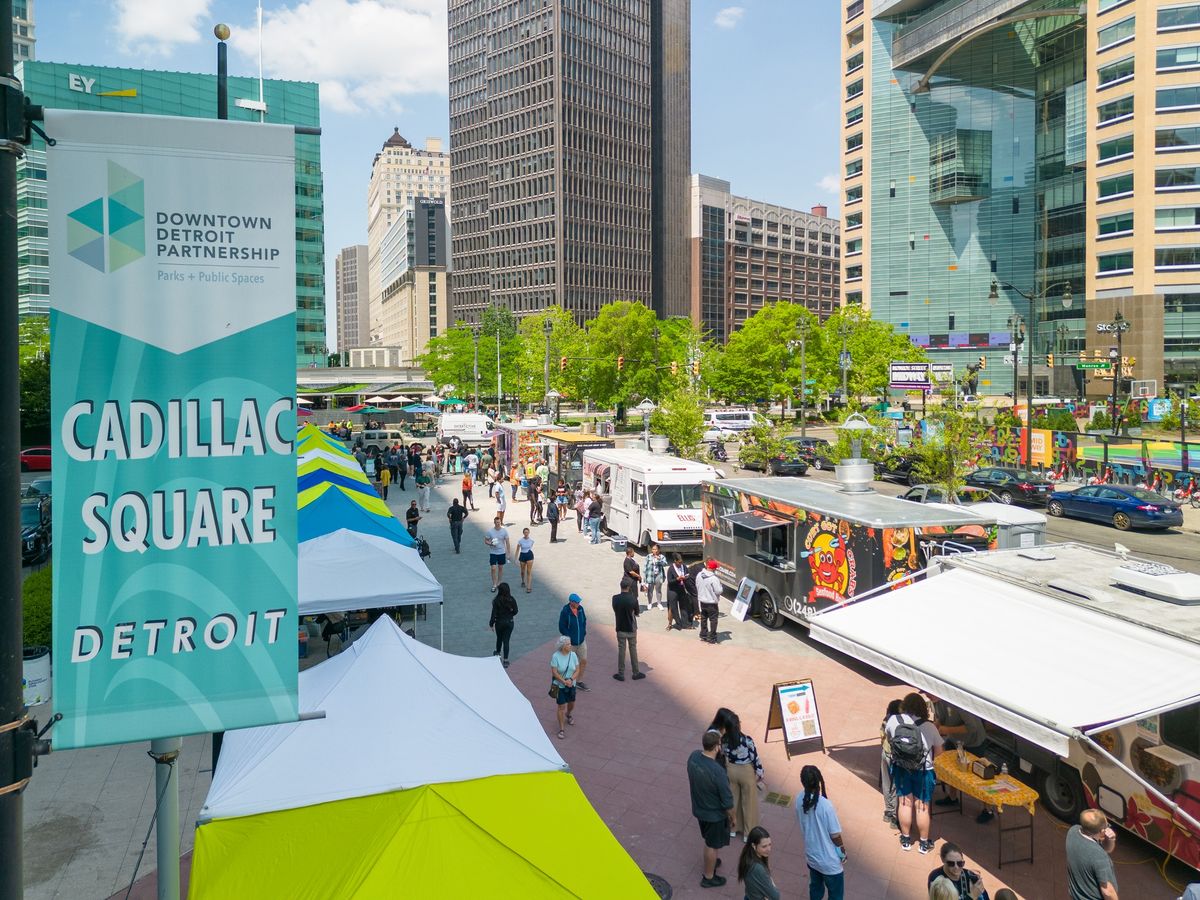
823, 847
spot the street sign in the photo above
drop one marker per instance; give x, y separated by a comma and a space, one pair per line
844, 359
909, 376
1093, 365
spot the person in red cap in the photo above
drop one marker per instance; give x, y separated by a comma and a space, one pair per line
708, 595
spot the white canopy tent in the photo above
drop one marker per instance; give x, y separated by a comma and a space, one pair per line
349, 570
397, 715
1037, 666
303, 401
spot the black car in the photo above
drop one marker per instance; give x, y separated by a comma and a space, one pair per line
39, 487
787, 463
1012, 486
817, 452
35, 530
935, 493
898, 467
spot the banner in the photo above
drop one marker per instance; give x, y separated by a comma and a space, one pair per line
909, 376
173, 335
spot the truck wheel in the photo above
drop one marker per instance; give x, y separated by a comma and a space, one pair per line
1062, 792
768, 610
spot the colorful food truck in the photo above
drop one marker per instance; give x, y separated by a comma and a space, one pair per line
803, 546
564, 454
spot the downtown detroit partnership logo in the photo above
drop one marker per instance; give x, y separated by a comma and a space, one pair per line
109, 232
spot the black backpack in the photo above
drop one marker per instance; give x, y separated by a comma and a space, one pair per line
908, 747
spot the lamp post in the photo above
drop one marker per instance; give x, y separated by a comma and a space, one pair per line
475, 362
499, 378
802, 329
1031, 327
1016, 327
221, 32
1118, 326
1182, 389
646, 407
843, 359
547, 330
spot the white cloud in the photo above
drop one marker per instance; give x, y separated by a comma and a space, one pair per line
155, 26
830, 183
365, 54
729, 16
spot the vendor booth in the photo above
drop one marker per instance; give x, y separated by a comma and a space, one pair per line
428, 776
564, 452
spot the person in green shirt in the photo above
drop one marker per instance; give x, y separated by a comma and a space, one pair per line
423, 487
754, 866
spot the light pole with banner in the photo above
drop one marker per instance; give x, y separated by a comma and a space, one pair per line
844, 358
802, 330
475, 362
1118, 326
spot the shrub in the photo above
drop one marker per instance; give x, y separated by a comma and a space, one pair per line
36, 606
1100, 422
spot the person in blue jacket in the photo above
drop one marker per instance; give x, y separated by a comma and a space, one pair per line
572, 623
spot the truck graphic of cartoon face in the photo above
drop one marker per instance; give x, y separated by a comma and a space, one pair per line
830, 561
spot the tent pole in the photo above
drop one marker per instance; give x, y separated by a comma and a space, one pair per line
165, 752
442, 626
1150, 789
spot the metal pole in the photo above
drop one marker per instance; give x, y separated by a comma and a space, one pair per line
166, 830
1031, 339
499, 381
222, 80
12, 706
803, 392
845, 331
1116, 370
547, 328
1016, 355
475, 366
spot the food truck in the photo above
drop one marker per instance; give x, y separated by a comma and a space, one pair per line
796, 546
564, 454
1084, 663
651, 498
518, 443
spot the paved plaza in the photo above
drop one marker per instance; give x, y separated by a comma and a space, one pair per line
87, 811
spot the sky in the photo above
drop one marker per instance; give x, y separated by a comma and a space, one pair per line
765, 82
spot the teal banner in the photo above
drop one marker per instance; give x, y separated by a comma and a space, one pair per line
173, 385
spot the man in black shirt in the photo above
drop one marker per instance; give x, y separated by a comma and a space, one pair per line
412, 516
456, 513
712, 803
632, 570
625, 610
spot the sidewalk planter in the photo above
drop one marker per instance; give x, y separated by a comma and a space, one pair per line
35, 675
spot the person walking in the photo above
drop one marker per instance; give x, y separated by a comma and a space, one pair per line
595, 514
681, 587
625, 613
655, 579
553, 510
490, 477
712, 804
885, 768
423, 488
744, 768
535, 503
472, 461
565, 666
456, 513
514, 479
412, 516
504, 611
708, 597
824, 850
468, 489
501, 502
572, 624
393, 461
525, 559
1090, 873
581, 505
384, 474
496, 540
402, 468
914, 743
754, 867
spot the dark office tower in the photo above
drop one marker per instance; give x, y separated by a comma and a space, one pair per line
568, 141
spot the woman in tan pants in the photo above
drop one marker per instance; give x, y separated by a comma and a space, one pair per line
744, 769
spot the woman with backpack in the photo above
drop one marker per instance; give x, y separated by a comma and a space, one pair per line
914, 742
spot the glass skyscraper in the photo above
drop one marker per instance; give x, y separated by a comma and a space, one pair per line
68, 86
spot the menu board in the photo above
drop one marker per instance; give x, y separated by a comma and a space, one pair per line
794, 711
741, 602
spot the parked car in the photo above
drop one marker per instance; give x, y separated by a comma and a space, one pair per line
719, 433
35, 530
817, 452
935, 493
790, 462
1123, 507
35, 459
39, 487
1012, 486
897, 467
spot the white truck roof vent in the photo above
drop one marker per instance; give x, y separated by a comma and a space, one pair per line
1160, 581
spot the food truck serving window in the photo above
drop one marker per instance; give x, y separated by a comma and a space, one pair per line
675, 496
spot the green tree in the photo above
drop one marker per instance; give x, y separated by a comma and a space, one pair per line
757, 364
35, 400
622, 329
759, 444
872, 346
680, 417
952, 444
449, 357
873, 442
566, 339
33, 337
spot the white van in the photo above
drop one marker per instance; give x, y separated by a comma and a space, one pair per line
473, 429
731, 419
649, 497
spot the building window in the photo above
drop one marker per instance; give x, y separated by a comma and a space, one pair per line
1114, 73
1179, 17
1117, 33
1183, 179
854, 167
1115, 110
1116, 186
854, 246
854, 220
1168, 139
1117, 148
854, 89
1168, 258
1175, 59
1111, 226
1177, 98
1106, 5
854, 141
854, 10
854, 194
1177, 218
854, 273
854, 116
1115, 263
854, 63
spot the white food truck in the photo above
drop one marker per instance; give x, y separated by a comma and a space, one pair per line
1083, 663
473, 429
650, 498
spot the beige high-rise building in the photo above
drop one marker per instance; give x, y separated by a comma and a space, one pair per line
1039, 144
24, 40
353, 287
400, 175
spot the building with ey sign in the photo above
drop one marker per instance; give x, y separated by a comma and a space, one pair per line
114, 90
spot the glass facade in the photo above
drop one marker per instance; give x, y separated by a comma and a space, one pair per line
980, 177
65, 86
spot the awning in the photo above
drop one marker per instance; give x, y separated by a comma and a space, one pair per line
350, 570
754, 520
1042, 668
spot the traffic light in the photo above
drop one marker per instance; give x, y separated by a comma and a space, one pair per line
982, 363
562, 364
620, 363
1050, 360
696, 368
674, 368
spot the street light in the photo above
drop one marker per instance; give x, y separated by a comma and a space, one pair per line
1118, 326
547, 329
802, 329
844, 358
1182, 389
1031, 325
475, 363
646, 407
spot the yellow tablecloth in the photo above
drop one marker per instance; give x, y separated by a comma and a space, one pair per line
1001, 791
